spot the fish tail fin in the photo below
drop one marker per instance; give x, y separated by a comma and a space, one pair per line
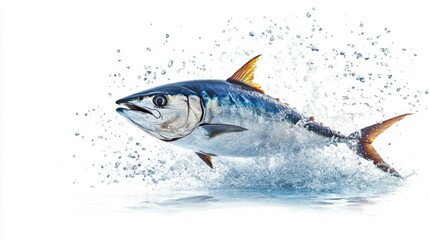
364, 138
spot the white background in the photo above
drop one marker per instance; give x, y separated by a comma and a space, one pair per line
54, 55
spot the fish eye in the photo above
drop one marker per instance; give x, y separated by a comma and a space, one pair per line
160, 100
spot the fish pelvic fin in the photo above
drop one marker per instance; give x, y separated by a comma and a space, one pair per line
243, 77
366, 136
206, 158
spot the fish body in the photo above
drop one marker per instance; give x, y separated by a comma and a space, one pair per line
236, 118
271, 127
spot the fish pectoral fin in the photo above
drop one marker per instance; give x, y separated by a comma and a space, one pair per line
206, 158
243, 77
214, 130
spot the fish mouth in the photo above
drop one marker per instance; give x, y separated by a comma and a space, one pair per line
135, 108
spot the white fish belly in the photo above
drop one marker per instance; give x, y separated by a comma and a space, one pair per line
261, 139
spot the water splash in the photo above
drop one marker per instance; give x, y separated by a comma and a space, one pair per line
346, 80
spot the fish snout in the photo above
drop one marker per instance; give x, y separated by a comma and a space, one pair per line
124, 100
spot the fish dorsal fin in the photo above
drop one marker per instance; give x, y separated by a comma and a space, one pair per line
244, 76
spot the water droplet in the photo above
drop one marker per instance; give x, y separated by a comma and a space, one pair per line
167, 35
76, 134
426, 91
361, 24
360, 79
170, 63
398, 89
163, 72
148, 49
139, 77
314, 48
272, 38
359, 55
251, 33
308, 15
118, 51
298, 36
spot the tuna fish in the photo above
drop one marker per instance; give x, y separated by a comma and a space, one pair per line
236, 118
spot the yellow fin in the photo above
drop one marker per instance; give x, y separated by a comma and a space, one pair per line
206, 158
244, 76
366, 137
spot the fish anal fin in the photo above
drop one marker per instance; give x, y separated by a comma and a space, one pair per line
366, 136
206, 158
244, 76
216, 129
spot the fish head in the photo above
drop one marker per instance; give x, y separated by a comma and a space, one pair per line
167, 113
